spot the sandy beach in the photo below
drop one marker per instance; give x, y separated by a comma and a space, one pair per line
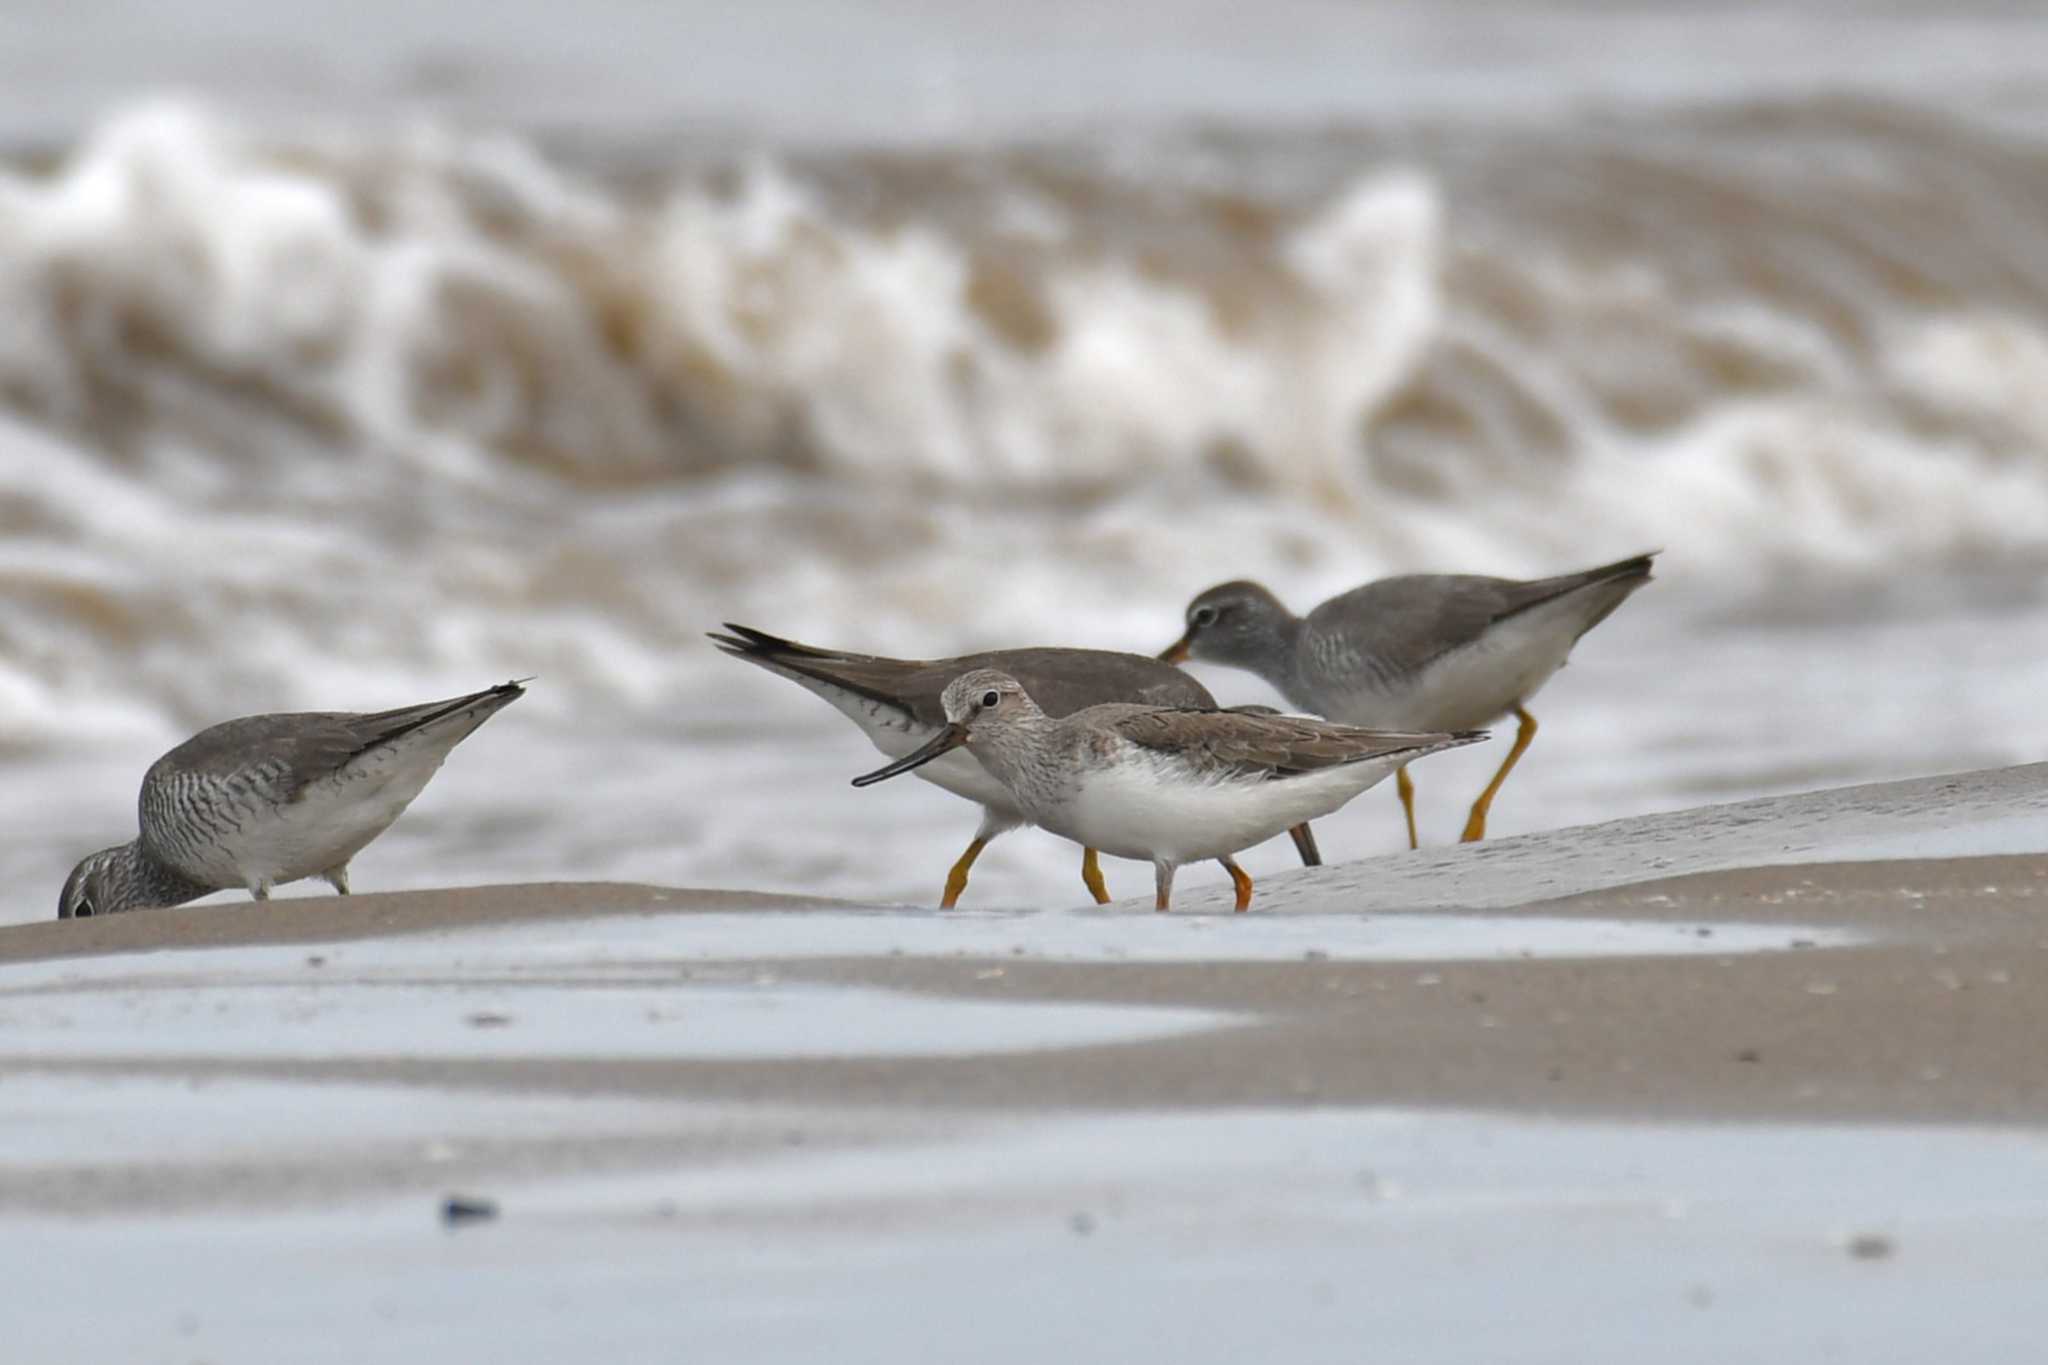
1927, 1007
1681, 1089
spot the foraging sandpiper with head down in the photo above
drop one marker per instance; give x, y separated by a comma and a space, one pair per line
1161, 784
897, 703
264, 800
1418, 652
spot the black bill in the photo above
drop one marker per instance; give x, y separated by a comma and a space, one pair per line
945, 741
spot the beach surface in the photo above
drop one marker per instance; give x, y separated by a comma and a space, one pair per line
1613, 1109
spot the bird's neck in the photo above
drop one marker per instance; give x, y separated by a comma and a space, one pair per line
141, 881
1277, 656
1024, 756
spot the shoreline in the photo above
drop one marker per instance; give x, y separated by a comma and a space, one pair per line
1923, 1015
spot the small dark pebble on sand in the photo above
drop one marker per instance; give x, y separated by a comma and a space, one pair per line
458, 1209
1871, 1246
1804, 943
1749, 1054
316, 961
1082, 1224
488, 1020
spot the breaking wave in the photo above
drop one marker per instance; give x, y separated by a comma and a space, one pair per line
331, 409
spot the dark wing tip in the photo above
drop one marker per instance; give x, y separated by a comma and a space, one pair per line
749, 643
1420, 745
761, 639
1635, 566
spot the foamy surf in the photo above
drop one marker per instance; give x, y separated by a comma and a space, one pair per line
335, 415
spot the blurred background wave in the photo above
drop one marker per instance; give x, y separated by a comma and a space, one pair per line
345, 364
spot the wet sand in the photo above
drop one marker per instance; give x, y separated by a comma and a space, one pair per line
1677, 1092
1937, 1017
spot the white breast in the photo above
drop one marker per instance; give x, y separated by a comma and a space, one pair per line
1151, 809
333, 819
895, 734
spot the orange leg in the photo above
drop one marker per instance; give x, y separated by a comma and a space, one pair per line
1241, 880
956, 880
1475, 827
1162, 879
1091, 875
1406, 786
1305, 844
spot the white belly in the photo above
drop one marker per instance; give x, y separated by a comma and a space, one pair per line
961, 774
893, 733
333, 820
1150, 811
1475, 685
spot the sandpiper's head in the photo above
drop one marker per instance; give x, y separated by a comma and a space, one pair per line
95, 886
976, 703
1237, 623
984, 697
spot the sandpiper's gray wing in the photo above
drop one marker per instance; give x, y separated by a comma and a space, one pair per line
274, 759
1402, 624
1061, 681
1275, 746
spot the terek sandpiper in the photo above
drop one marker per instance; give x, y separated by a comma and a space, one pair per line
1419, 652
896, 703
269, 799
1161, 784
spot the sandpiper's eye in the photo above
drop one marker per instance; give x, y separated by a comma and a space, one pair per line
989, 699
1202, 616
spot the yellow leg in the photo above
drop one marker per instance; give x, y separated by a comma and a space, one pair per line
1406, 786
956, 880
1475, 827
1091, 875
1241, 880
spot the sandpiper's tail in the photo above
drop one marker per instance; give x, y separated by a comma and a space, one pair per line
461, 714
1598, 591
833, 674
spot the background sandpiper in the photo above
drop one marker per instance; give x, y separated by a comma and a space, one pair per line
1164, 785
897, 703
264, 800
1420, 652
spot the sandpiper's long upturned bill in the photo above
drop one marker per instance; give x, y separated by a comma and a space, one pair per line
1418, 652
264, 800
897, 705
1164, 785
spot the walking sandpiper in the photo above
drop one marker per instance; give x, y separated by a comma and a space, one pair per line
897, 705
1419, 652
1164, 785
